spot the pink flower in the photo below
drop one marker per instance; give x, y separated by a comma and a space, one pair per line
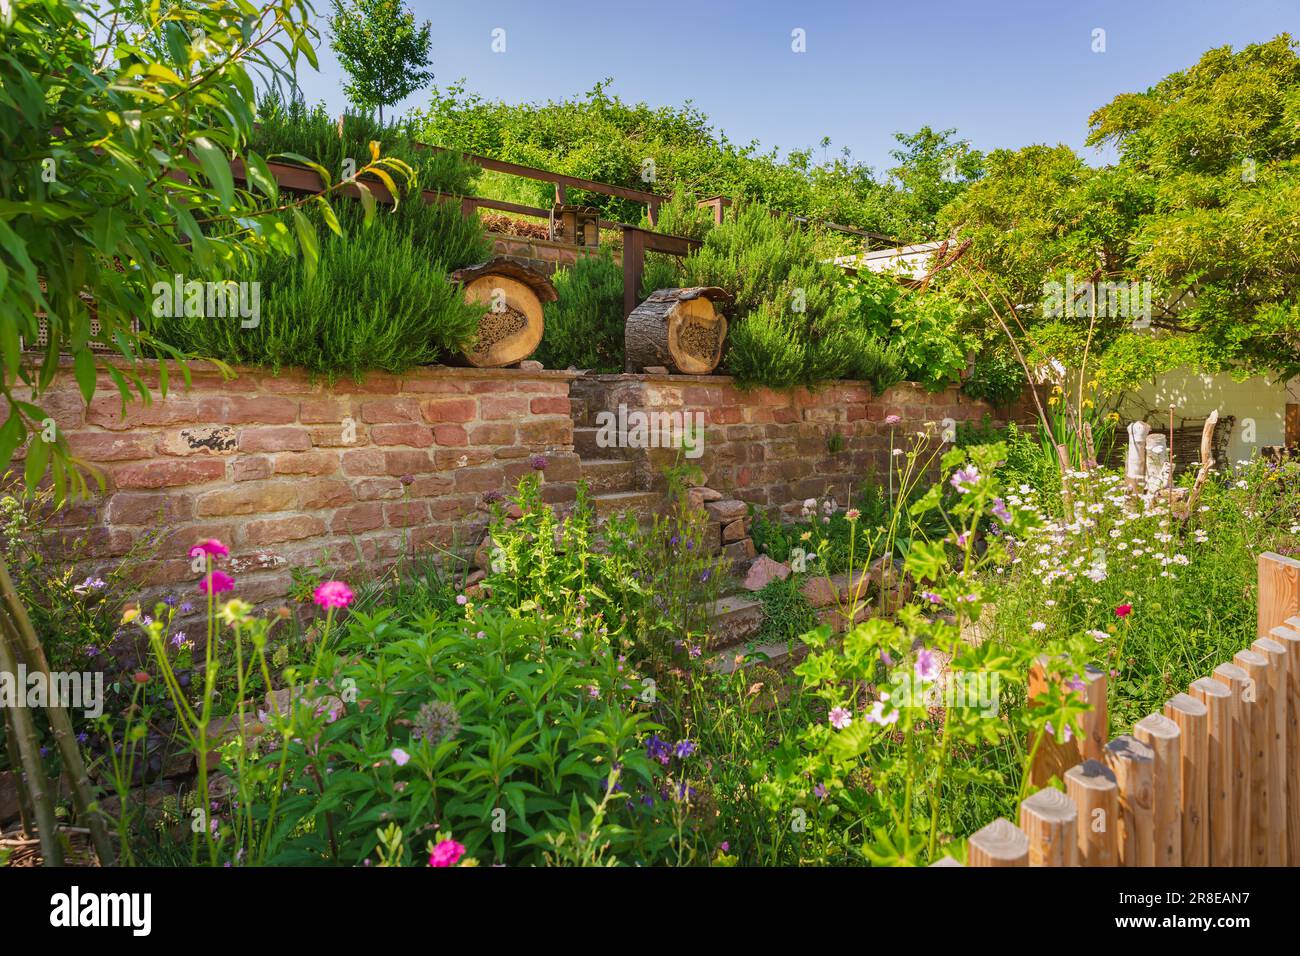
333, 594
892, 419
927, 665
212, 548
446, 853
400, 756
1124, 610
216, 582
840, 718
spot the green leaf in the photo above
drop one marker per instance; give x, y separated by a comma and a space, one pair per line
216, 166
84, 370
307, 240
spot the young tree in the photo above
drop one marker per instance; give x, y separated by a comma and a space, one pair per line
383, 50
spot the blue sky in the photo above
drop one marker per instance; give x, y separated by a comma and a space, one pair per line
1002, 73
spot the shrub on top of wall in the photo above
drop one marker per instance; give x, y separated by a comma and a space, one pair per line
380, 298
584, 326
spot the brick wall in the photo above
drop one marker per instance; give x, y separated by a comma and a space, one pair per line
287, 471
542, 254
773, 448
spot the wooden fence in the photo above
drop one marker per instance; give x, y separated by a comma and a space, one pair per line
1213, 780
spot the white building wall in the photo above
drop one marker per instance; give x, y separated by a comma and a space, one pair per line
1254, 400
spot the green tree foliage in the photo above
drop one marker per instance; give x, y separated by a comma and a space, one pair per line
383, 50
663, 149
933, 169
584, 326
1202, 204
120, 123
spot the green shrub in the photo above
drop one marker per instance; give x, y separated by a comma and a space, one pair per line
380, 299
997, 377
584, 326
293, 127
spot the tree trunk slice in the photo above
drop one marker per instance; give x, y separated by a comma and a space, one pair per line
680, 329
513, 323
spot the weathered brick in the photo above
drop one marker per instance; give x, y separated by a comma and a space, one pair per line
106, 412
110, 446
358, 518
250, 468
418, 436
451, 410
404, 514
247, 499
323, 493
549, 406
386, 410
274, 439
246, 410
322, 411
496, 407
288, 528
168, 474
403, 462
362, 461
497, 433
199, 440
453, 435
367, 489
478, 479
156, 510
318, 462
547, 431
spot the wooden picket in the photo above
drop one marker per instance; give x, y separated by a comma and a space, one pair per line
1212, 780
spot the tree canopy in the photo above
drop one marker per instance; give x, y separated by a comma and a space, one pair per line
384, 51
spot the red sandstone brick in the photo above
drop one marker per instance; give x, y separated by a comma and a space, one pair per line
549, 406
390, 410
363, 461
547, 431
274, 439
106, 412
247, 499
250, 469
426, 486
407, 462
168, 474
288, 528
498, 407
447, 459
358, 518
451, 410
496, 433
419, 436
368, 489
322, 411
318, 462
478, 479
404, 514
323, 493
453, 435
110, 446
154, 510
337, 436
244, 410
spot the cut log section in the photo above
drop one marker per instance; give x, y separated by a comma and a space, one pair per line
677, 328
511, 328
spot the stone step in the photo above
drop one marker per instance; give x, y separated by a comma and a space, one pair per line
735, 619
778, 655
609, 474
586, 445
639, 503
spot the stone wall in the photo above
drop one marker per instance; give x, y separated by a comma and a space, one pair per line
773, 448
542, 254
287, 471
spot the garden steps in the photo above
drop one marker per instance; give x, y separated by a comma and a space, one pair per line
776, 654
734, 619
642, 504
609, 475
585, 444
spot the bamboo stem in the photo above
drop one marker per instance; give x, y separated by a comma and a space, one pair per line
74, 768
24, 802
32, 773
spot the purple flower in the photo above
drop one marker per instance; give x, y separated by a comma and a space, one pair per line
657, 749
538, 462
840, 718
400, 756
927, 665
1000, 511
820, 791
462, 600
963, 478
931, 597
684, 749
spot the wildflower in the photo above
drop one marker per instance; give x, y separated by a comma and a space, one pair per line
492, 497
1098, 636
725, 846
178, 640
840, 718
400, 756
141, 677
186, 607
234, 611
931, 597
538, 462
963, 478
695, 652
211, 548
1124, 610
1038, 626
657, 749
216, 582
130, 613
1000, 511
877, 715
461, 600
446, 853
853, 514
684, 749
892, 419
820, 791
927, 665
437, 721
408, 479
332, 594
897, 451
